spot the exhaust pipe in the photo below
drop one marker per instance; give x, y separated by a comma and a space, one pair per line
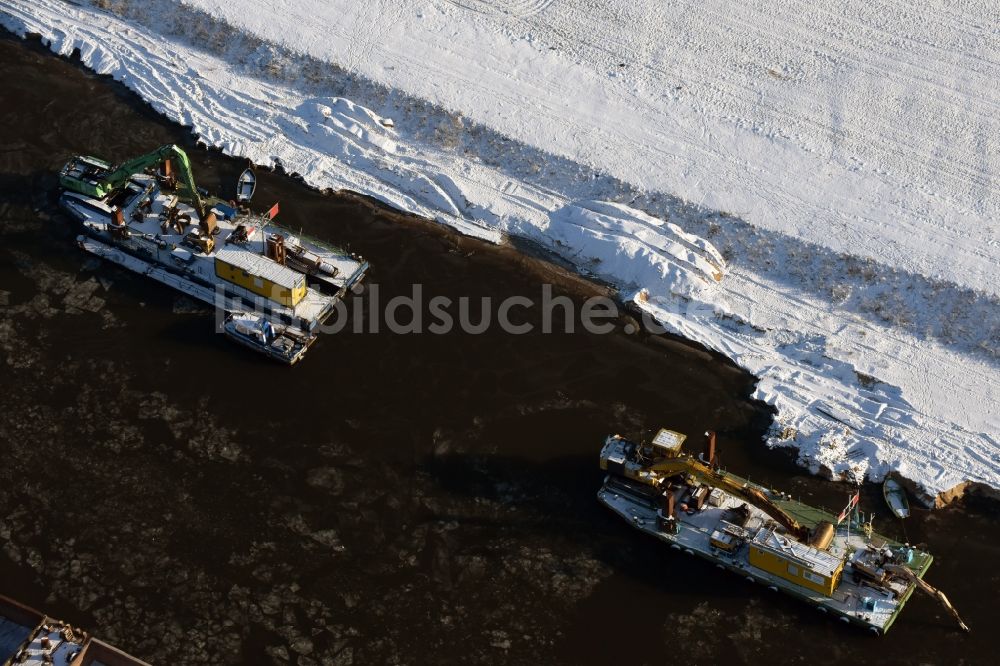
709, 456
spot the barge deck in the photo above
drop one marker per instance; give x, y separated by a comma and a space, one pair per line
837, 564
233, 260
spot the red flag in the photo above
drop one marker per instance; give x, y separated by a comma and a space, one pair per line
851, 503
273, 213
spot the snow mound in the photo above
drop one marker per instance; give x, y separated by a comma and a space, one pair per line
343, 117
627, 246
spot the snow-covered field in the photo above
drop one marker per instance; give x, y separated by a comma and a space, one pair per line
843, 160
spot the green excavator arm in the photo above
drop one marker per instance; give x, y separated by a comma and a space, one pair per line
98, 179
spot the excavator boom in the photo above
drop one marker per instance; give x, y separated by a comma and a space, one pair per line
98, 179
705, 474
656, 471
928, 589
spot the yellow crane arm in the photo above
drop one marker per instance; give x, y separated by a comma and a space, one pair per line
664, 469
927, 588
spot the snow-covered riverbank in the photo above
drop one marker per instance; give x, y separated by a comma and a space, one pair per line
845, 166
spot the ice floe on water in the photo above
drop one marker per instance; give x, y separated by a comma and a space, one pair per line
847, 263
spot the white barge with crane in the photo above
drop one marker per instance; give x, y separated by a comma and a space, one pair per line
149, 216
835, 563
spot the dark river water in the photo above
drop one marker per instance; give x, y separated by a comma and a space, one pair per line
394, 498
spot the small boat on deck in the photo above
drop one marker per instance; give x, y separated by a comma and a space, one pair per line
245, 186
279, 342
895, 497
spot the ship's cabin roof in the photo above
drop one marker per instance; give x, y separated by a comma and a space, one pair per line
668, 441
260, 266
816, 560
